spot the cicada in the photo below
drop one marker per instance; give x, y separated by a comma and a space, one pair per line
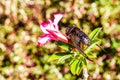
78, 38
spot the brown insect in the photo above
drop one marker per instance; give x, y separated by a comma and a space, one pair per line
79, 39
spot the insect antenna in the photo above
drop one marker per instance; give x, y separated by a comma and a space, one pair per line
101, 48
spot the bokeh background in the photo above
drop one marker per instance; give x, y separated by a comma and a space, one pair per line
22, 59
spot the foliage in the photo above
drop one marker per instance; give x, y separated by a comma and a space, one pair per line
77, 61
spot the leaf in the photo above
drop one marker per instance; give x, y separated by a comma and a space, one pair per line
84, 63
56, 56
91, 55
94, 33
93, 43
79, 67
71, 61
63, 58
75, 66
64, 46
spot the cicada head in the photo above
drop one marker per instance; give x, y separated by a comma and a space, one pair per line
69, 30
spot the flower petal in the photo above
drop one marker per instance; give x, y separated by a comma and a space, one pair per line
57, 18
47, 25
44, 39
57, 35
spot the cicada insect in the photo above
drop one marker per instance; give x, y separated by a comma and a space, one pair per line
78, 38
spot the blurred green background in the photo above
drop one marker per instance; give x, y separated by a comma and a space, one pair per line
22, 59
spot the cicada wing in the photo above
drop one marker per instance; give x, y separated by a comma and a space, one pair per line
76, 41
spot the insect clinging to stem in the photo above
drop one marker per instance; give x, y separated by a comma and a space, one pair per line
78, 38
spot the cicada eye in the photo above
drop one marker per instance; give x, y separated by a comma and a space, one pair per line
69, 29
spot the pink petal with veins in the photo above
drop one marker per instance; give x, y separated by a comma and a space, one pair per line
57, 35
44, 26
57, 18
44, 39
51, 25
47, 26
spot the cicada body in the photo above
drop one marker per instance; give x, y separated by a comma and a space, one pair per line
78, 38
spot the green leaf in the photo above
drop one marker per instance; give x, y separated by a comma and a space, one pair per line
79, 67
71, 61
93, 43
56, 56
63, 58
91, 55
64, 46
84, 63
94, 33
75, 66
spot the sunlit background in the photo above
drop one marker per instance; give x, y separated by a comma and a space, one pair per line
22, 59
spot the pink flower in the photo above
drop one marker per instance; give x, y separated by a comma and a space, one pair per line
51, 30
